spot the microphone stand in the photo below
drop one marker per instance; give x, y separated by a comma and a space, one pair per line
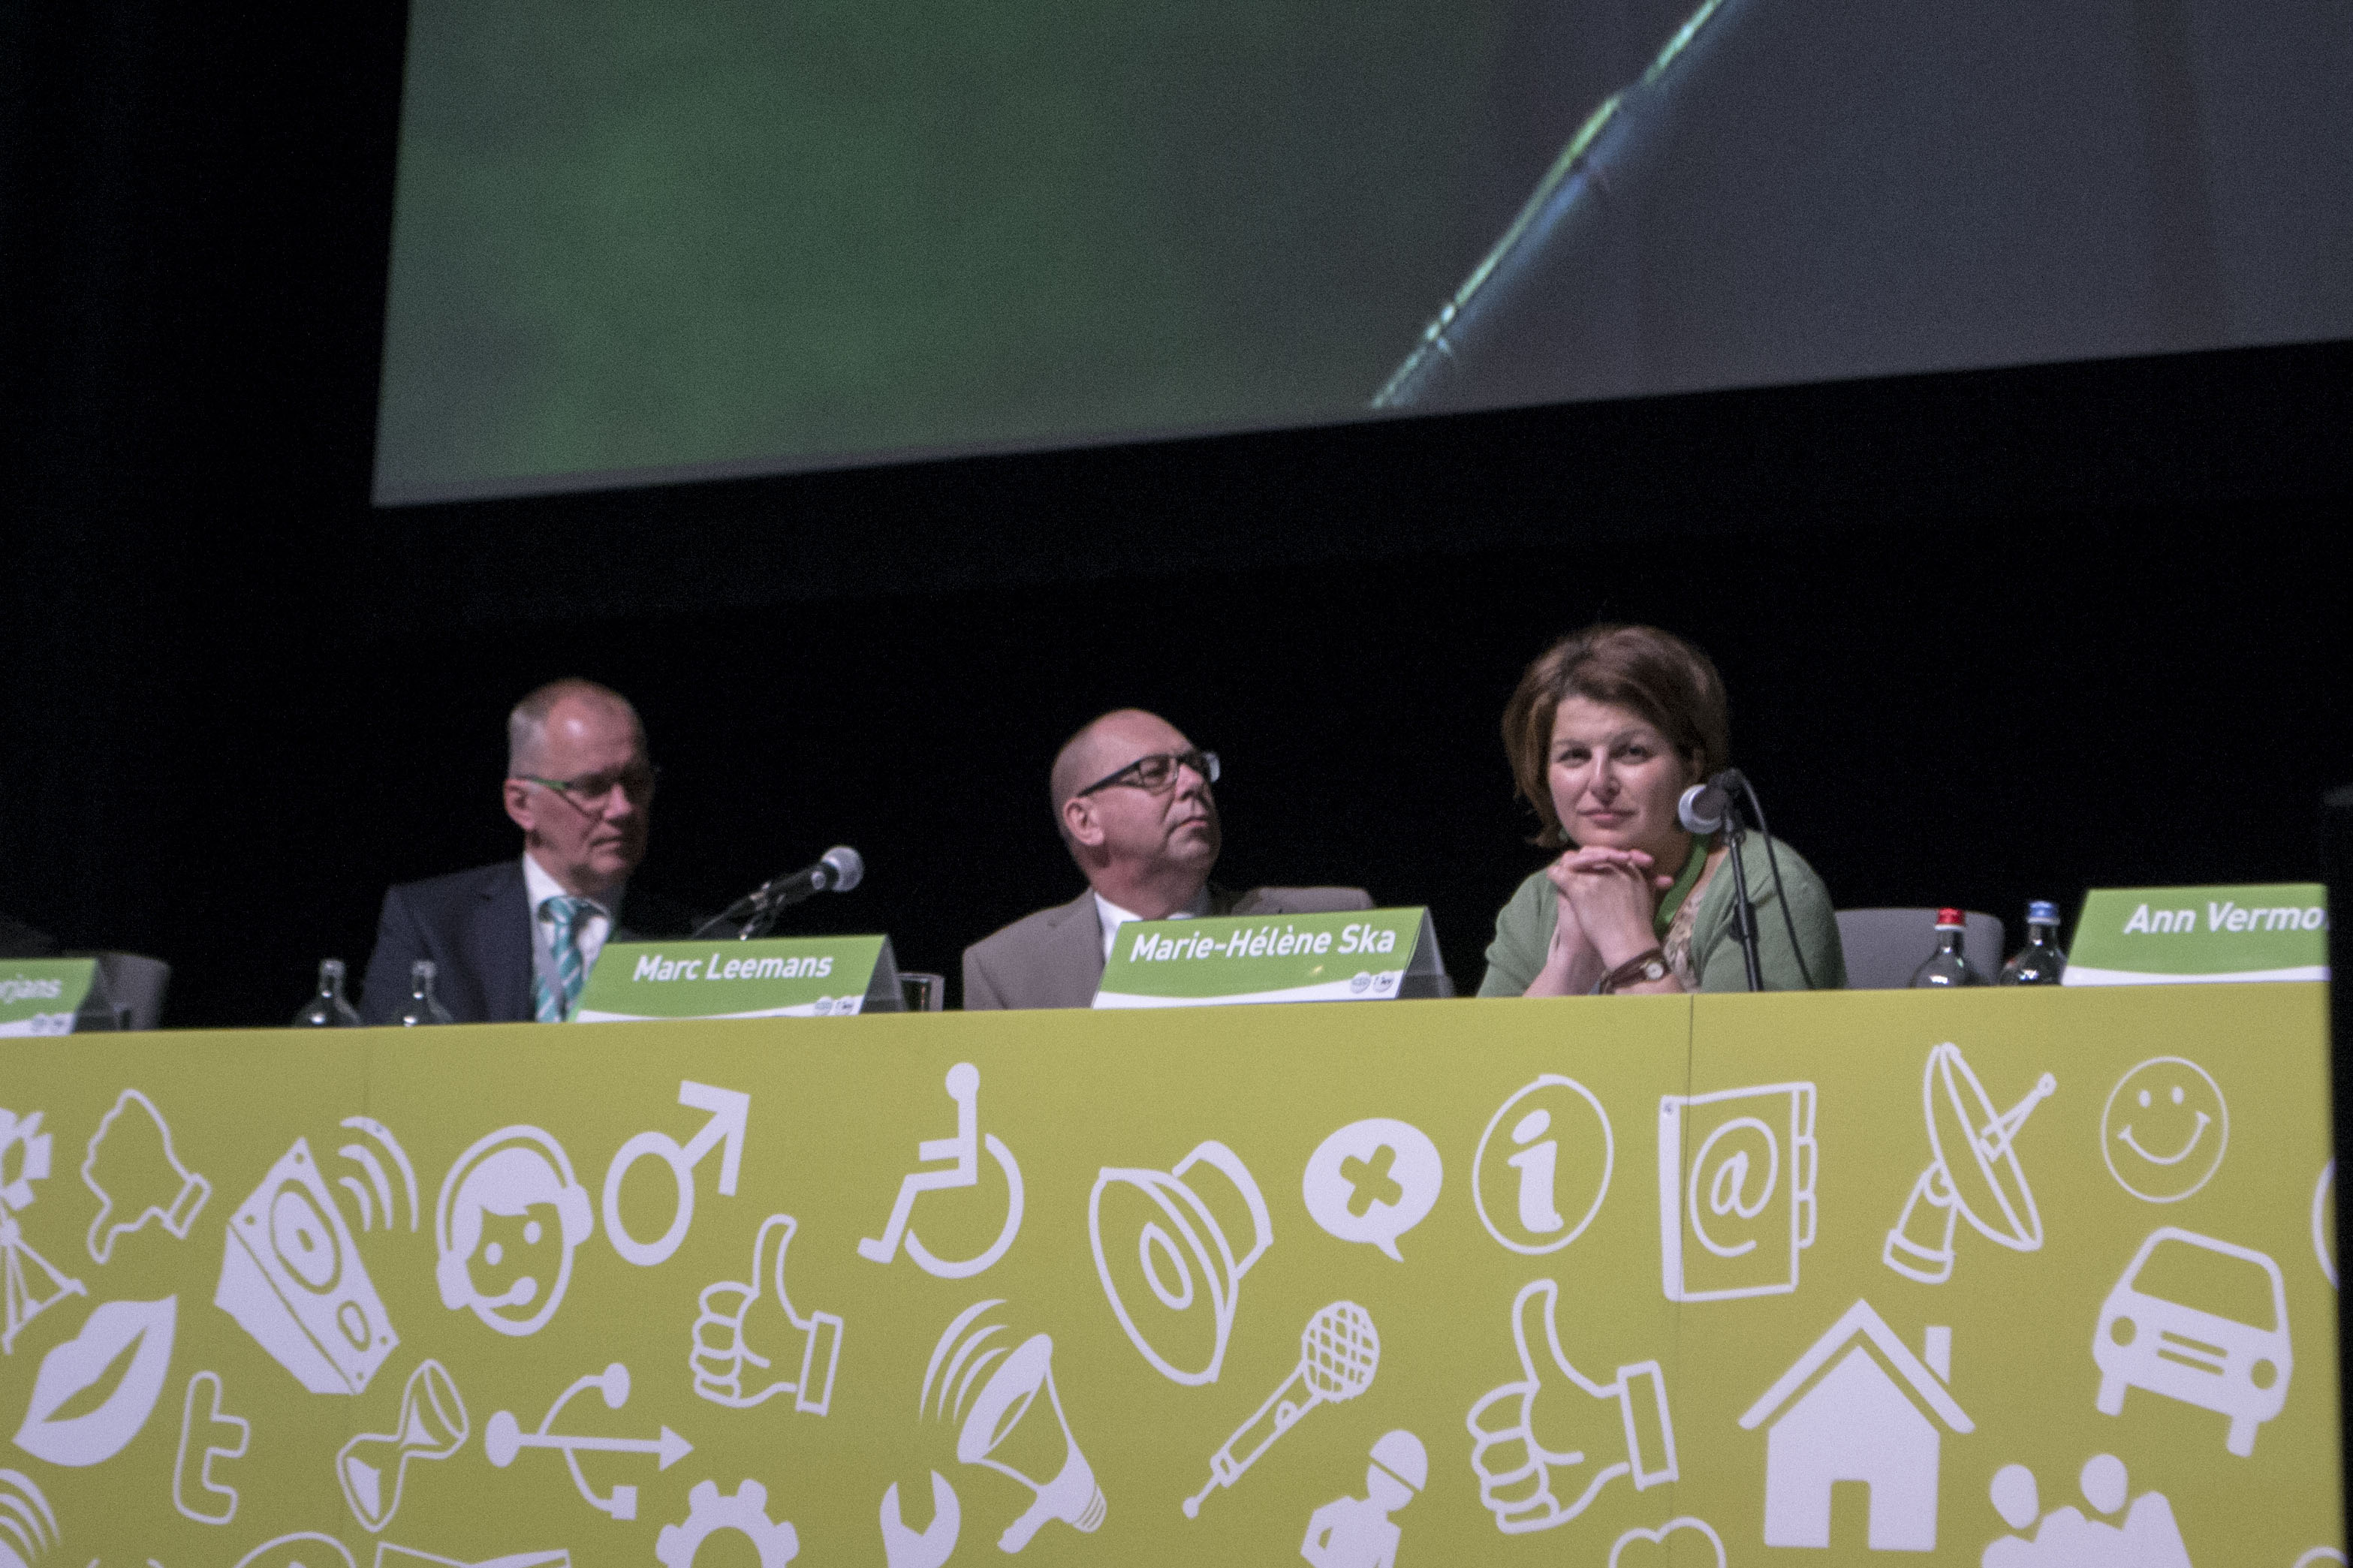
1744, 913
757, 909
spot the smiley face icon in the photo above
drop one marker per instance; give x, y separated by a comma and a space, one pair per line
2164, 1129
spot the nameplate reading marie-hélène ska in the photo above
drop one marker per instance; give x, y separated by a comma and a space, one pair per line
1350, 955
797, 977
2170, 936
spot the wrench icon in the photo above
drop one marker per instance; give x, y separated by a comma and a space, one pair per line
904, 1548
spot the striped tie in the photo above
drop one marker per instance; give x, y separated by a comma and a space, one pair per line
565, 913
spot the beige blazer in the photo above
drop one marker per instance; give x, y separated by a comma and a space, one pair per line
1054, 958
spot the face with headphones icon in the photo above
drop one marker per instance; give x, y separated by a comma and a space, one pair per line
510, 1216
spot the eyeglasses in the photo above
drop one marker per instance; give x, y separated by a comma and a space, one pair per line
1158, 770
591, 790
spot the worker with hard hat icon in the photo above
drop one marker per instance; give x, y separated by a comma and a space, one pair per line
1355, 1532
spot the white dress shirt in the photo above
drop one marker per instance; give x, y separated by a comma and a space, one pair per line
1112, 917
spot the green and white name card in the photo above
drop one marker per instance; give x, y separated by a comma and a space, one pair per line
1351, 955
40, 996
2157, 936
782, 977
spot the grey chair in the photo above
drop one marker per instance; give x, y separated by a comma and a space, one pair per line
128, 995
1884, 946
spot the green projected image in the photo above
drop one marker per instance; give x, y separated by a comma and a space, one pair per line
665, 234
642, 240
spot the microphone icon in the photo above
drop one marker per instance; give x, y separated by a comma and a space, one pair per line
1338, 1352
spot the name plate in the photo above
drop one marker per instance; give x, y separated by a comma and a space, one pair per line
2158, 936
41, 996
783, 977
1352, 956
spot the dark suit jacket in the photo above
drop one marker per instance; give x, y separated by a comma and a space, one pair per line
475, 928
1054, 958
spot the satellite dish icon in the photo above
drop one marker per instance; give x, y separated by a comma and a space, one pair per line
1973, 1173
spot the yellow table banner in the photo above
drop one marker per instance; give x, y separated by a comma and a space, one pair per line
1998, 1278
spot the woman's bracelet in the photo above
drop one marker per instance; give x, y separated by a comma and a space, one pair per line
1643, 966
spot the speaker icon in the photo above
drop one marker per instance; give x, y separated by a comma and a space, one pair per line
292, 1277
1005, 1432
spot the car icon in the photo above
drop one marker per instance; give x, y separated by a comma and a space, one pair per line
2202, 1321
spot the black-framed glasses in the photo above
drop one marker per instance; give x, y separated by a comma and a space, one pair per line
1158, 770
591, 790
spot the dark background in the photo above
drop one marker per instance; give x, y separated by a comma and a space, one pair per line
1989, 636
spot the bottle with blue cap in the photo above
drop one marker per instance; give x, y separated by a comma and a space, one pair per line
2040, 962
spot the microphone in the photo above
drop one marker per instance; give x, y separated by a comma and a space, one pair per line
1705, 807
837, 870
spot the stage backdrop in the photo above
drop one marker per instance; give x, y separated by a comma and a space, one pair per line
2002, 1277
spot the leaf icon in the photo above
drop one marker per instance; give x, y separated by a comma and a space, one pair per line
135, 1335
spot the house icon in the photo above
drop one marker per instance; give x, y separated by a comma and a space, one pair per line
1871, 1417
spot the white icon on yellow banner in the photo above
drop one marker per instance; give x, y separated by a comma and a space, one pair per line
1339, 1352
128, 1343
1972, 1173
1184, 1257
731, 1318
142, 1179
303, 1549
2236, 1364
375, 1197
1004, 1430
731, 1117
2146, 1537
2164, 1129
292, 1277
504, 1438
1686, 1542
433, 1424
1737, 1172
931, 1546
510, 1216
1517, 1473
963, 1152
1373, 1180
390, 1556
1539, 1187
1357, 1531
1858, 1407
196, 1492
33, 1286
28, 1525
743, 1513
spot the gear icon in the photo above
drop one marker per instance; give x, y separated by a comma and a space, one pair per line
709, 1510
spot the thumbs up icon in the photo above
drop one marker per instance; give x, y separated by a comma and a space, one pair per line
733, 1323
1554, 1427
137, 1177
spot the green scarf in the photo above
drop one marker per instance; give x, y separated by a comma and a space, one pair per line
1673, 899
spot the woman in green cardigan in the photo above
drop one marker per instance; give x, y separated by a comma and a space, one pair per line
1608, 728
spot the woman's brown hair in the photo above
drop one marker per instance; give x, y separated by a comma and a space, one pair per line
1654, 673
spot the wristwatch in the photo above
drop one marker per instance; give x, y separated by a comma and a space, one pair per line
1641, 968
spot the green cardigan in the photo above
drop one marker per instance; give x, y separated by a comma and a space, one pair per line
1524, 929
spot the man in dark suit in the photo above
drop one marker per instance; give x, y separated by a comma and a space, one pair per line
1132, 798
514, 942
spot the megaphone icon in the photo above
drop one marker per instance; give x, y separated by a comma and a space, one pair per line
993, 1436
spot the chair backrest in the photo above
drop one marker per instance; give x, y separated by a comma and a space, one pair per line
1884, 946
132, 986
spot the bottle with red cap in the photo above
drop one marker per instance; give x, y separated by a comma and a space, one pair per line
1950, 964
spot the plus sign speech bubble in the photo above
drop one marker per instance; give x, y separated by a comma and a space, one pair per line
1373, 1180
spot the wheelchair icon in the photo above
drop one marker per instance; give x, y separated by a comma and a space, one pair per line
964, 1149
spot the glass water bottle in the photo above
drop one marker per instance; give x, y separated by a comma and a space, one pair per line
2040, 962
1950, 964
423, 1007
328, 1010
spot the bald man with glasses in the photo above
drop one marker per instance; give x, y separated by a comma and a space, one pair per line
513, 942
1132, 799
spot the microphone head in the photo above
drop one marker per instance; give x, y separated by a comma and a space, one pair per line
848, 866
1702, 809
1339, 1351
